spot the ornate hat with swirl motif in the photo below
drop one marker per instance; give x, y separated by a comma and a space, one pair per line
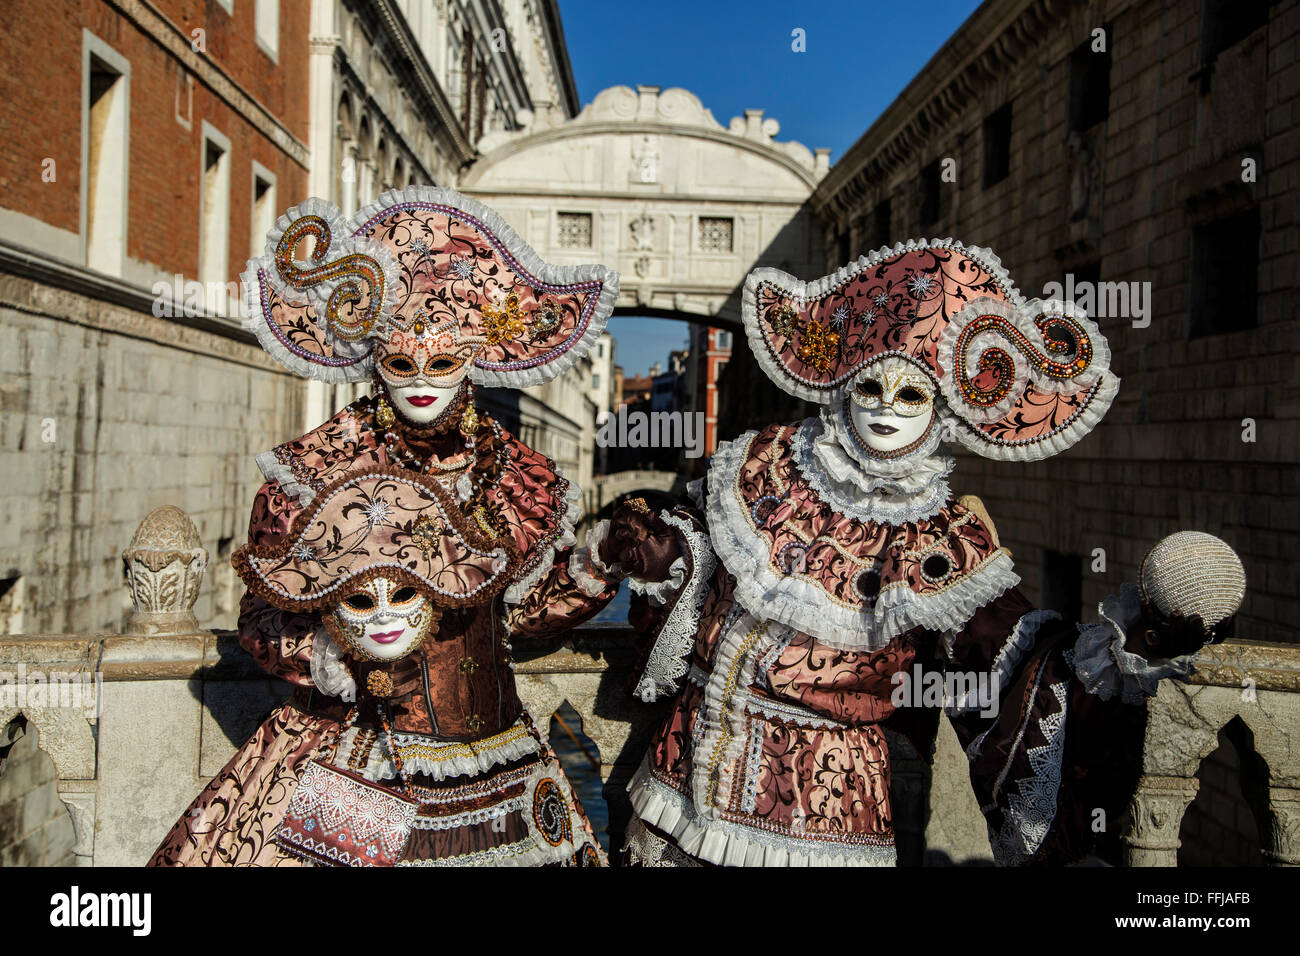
1022, 379
420, 258
379, 520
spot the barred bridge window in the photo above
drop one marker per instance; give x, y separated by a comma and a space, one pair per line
715, 234
574, 230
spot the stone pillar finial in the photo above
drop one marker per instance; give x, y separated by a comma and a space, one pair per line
164, 568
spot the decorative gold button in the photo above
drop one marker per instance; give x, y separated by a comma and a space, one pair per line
467, 665
474, 722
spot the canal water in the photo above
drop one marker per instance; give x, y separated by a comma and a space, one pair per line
579, 756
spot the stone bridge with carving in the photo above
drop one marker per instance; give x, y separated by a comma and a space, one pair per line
604, 490
649, 183
131, 726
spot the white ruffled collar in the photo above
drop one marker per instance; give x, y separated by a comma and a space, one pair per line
887, 491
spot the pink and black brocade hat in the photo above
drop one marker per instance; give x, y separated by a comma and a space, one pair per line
420, 259
1021, 379
379, 521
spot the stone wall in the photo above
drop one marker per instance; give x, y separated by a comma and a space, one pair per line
35, 828
106, 413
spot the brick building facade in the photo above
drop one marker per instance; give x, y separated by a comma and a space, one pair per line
1149, 144
144, 141
151, 147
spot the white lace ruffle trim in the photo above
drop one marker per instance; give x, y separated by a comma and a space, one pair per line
449, 759
803, 605
275, 470
669, 658
1003, 669
841, 481
585, 568
646, 849
659, 592
734, 844
1106, 669
329, 669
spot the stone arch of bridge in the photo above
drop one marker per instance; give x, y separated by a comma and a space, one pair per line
660, 489
648, 182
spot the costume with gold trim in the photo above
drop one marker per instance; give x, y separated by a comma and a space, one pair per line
457, 507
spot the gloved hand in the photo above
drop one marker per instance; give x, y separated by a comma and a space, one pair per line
639, 543
1172, 635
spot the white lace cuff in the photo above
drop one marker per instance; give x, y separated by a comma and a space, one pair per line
660, 591
329, 671
585, 567
1103, 665
670, 656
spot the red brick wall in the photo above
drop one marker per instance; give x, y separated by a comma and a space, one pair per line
40, 116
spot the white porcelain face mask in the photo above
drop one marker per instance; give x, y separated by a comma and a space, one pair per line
892, 407
383, 620
423, 372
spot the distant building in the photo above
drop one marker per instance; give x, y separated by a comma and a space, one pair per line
711, 350
636, 388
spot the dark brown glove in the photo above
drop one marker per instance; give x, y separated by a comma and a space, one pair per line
639, 543
1172, 635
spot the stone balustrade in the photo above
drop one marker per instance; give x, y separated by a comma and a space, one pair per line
137, 723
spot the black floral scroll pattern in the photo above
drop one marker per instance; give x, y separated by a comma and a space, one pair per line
851, 687
1039, 415
436, 247
233, 821
901, 304
336, 540
833, 782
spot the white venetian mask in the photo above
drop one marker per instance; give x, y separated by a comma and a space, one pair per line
892, 407
423, 371
383, 620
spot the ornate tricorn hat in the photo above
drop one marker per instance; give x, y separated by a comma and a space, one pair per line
420, 258
380, 520
1021, 379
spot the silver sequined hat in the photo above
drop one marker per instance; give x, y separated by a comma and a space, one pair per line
1191, 572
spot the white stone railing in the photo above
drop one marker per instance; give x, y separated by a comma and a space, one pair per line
174, 702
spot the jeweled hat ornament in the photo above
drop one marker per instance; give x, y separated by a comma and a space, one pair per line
1019, 379
428, 273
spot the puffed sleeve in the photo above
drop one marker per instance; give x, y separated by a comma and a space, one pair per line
280, 641
571, 592
666, 613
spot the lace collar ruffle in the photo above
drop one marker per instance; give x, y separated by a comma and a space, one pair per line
850, 583
843, 481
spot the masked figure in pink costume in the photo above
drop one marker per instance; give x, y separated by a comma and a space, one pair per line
424, 292
825, 559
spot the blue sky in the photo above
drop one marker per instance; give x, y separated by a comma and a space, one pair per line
738, 56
